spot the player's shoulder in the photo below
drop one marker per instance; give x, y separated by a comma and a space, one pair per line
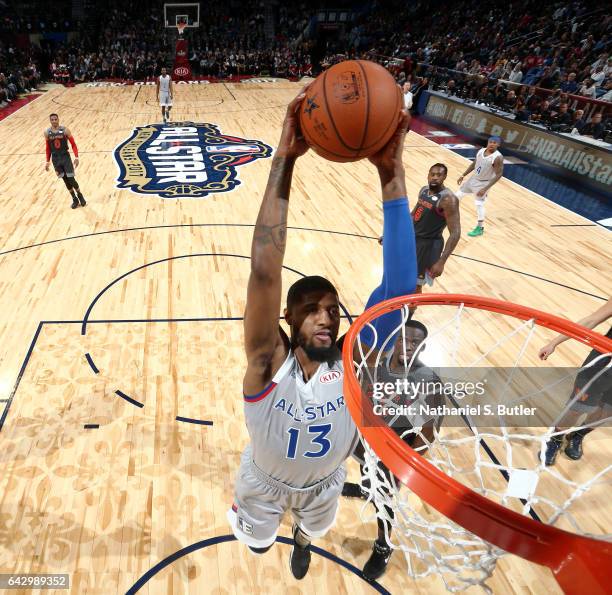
448, 195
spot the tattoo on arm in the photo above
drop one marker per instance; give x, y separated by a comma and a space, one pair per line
279, 182
498, 168
271, 226
271, 234
450, 206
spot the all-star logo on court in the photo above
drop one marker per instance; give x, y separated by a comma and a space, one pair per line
184, 159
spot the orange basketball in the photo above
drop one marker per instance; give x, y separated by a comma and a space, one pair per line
351, 110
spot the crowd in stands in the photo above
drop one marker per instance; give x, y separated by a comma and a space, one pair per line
556, 111
492, 51
564, 46
535, 61
238, 45
135, 45
18, 73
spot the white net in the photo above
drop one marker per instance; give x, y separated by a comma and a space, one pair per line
502, 453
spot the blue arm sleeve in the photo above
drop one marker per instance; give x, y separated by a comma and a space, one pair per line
399, 269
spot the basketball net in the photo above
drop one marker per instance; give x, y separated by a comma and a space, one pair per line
478, 486
181, 26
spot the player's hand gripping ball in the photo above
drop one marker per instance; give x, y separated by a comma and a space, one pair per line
351, 110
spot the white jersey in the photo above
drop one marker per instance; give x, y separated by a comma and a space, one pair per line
301, 432
407, 100
164, 84
483, 168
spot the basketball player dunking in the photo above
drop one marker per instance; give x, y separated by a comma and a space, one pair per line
165, 93
56, 147
300, 429
489, 166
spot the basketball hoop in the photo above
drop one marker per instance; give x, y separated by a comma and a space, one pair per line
463, 547
181, 26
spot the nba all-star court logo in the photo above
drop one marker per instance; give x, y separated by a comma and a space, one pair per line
184, 159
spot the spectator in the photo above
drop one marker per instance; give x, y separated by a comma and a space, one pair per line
421, 85
516, 76
594, 128
598, 75
532, 99
588, 89
569, 85
548, 79
541, 115
521, 111
510, 101
451, 87
408, 97
579, 122
561, 120
608, 94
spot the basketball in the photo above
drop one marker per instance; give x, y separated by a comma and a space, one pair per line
350, 111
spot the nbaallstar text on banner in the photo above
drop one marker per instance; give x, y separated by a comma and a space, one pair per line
184, 159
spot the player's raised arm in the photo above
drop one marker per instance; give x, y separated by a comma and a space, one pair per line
399, 252
262, 339
590, 321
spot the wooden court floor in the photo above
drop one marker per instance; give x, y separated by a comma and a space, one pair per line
161, 286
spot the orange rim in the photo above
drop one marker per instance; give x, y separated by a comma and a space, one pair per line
580, 564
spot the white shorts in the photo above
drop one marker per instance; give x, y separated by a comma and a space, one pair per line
260, 503
165, 99
472, 186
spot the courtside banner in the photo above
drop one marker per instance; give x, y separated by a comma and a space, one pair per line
564, 155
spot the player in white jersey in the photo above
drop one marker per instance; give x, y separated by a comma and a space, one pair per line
164, 93
489, 168
299, 427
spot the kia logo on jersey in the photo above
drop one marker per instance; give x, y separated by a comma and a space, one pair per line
331, 376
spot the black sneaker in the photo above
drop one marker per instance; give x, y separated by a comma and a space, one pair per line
552, 449
353, 490
299, 560
75, 202
573, 448
377, 564
82, 200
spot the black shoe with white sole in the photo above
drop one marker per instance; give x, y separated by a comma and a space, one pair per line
299, 561
376, 566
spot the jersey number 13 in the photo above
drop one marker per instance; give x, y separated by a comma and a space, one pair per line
319, 439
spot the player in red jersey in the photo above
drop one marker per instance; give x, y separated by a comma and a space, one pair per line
56, 145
